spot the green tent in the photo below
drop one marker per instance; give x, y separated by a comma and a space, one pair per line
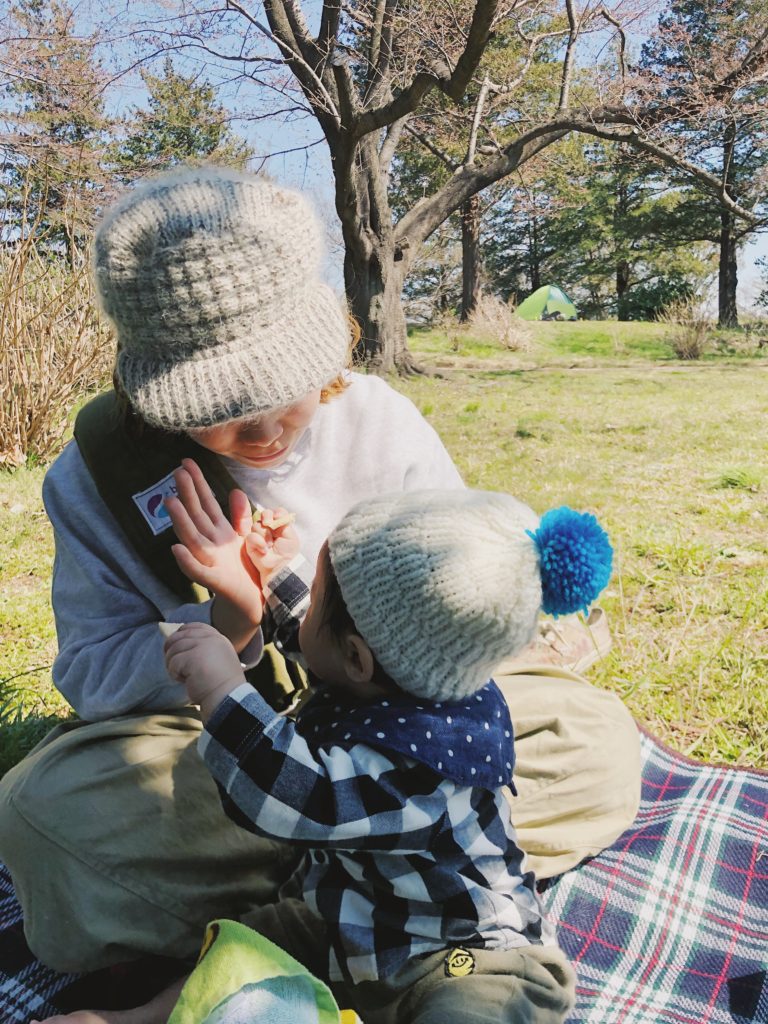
548, 303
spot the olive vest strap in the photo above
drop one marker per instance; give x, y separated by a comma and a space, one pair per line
134, 473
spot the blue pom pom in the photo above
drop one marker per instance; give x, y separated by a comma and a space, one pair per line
575, 558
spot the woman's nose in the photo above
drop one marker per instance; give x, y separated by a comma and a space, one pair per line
264, 432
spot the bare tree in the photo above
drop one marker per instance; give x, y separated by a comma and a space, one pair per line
368, 70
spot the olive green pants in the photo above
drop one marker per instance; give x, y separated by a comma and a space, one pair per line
529, 985
118, 846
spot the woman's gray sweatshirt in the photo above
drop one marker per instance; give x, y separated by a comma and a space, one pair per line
106, 600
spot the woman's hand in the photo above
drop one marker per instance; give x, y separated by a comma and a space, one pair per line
211, 552
272, 542
205, 662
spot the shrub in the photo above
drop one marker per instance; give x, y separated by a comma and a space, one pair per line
52, 347
690, 334
497, 321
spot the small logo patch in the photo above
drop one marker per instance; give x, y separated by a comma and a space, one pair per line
459, 963
150, 503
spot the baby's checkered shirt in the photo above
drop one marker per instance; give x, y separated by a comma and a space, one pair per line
401, 858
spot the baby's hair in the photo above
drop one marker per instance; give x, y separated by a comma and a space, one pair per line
338, 620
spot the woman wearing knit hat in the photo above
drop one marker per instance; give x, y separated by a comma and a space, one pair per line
392, 776
231, 354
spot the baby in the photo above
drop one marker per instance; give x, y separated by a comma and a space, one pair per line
391, 776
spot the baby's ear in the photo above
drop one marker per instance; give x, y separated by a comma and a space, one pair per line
360, 663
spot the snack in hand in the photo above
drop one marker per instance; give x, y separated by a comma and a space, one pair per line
169, 628
277, 521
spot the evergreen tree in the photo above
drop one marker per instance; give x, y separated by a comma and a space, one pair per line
698, 40
55, 127
183, 122
603, 223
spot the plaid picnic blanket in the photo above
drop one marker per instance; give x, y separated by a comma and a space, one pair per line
667, 926
670, 924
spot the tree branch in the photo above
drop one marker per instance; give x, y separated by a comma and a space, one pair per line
605, 13
357, 16
384, 58
453, 85
375, 38
754, 63
476, 118
391, 140
565, 82
716, 185
282, 35
377, 85
302, 38
427, 214
427, 143
504, 90
346, 90
329, 26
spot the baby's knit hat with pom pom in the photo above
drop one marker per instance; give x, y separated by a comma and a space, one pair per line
443, 585
211, 278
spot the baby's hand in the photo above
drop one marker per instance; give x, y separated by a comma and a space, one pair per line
200, 658
272, 542
211, 551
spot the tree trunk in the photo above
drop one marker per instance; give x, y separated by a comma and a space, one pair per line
471, 281
620, 213
727, 313
622, 287
534, 263
374, 288
375, 263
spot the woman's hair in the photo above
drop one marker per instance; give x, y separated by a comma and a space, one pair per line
340, 384
338, 620
135, 425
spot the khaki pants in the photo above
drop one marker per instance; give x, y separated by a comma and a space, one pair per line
530, 985
118, 846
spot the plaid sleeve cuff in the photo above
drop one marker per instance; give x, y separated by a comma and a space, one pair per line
287, 592
287, 599
216, 728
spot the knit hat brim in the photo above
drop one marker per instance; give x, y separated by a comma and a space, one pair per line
177, 395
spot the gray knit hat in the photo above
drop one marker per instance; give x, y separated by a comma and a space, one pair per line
211, 278
443, 585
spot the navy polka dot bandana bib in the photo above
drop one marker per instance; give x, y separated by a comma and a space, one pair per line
469, 741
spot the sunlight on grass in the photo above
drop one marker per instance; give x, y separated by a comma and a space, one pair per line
644, 446
669, 456
29, 704
582, 342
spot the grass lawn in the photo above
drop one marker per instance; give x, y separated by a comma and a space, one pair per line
672, 458
670, 455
